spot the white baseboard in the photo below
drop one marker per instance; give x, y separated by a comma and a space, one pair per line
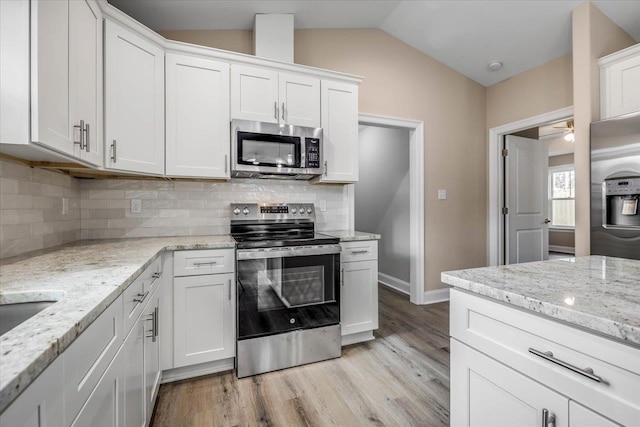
394, 283
562, 249
357, 337
438, 295
200, 369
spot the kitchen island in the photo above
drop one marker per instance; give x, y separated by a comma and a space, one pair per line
546, 342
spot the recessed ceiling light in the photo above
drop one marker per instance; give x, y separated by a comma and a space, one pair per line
494, 66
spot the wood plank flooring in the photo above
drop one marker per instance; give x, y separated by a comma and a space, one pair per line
401, 378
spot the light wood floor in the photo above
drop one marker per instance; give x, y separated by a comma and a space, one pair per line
400, 378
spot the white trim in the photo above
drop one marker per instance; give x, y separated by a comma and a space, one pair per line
416, 201
357, 337
184, 372
394, 283
557, 229
496, 196
437, 295
562, 249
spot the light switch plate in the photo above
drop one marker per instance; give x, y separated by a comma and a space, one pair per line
323, 205
136, 206
442, 194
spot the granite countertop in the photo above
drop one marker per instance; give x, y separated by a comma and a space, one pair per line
598, 293
351, 236
84, 277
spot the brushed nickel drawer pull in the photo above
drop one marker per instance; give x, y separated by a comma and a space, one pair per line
364, 251
547, 355
141, 297
198, 264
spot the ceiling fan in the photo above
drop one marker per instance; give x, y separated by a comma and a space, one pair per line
567, 130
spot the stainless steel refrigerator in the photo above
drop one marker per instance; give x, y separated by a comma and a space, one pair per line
615, 187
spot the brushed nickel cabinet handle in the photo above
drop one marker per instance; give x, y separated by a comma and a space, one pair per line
198, 264
156, 312
325, 168
229, 289
114, 154
275, 110
79, 128
342, 277
364, 251
225, 163
140, 297
284, 117
547, 355
87, 146
548, 419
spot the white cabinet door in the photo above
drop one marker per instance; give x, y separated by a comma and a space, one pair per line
620, 83
134, 102
50, 119
151, 354
254, 94
485, 392
299, 99
40, 405
197, 117
85, 79
204, 318
105, 406
359, 297
133, 359
339, 103
579, 416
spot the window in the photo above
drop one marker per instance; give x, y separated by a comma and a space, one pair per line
562, 193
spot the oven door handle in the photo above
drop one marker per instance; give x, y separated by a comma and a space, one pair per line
285, 252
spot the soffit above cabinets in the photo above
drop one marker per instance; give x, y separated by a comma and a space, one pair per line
464, 35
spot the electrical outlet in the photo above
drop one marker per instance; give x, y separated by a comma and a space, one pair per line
136, 206
65, 206
442, 194
323, 205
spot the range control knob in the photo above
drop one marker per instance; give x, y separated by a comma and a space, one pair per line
309, 210
236, 211
294, 210
245, 210
301, 210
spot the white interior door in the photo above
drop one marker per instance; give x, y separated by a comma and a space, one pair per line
526, 223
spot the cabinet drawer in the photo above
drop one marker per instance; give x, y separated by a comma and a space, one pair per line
507, 334
359, 251
212, 261
88, 357
136, 295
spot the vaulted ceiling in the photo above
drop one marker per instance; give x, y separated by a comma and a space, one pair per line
465, 35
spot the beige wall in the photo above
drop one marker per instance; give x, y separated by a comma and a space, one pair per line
402, 82
562, 238
564, 159
594, 36
539, 90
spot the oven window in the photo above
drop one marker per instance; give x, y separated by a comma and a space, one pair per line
268, 150
280, 294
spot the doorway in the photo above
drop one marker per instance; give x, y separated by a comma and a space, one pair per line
498, 181
401, 253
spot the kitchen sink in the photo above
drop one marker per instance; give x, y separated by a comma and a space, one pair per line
11, 315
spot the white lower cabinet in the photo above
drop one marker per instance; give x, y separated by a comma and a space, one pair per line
358, 291
40, 405
509, 365
151, 354
487, 393
134, 375
204, 318
105, 406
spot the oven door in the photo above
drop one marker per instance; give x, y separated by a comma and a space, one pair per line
287, 288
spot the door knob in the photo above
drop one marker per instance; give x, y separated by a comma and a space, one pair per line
547, 220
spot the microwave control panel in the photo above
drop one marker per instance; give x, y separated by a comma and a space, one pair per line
312, 154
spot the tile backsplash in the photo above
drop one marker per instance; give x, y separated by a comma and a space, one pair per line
31, 209
179, 208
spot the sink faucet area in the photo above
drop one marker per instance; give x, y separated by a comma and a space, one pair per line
17, 307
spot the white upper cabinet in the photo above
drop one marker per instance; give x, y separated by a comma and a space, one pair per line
197, 114
51, 123
254, 94
85, 79
299, 100
268, 96
620, 82
134, 102
340, 131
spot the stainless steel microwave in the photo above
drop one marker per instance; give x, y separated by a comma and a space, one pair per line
269, 150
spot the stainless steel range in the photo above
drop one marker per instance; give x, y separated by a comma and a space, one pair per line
288, 288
